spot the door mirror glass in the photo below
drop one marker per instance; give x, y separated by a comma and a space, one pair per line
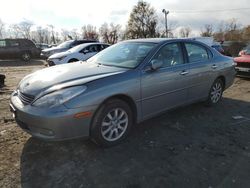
156, 64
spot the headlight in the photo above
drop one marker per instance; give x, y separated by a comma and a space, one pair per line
59, 97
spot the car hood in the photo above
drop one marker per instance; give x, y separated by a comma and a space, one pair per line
57, 77
54, 49
60, 54
243, 59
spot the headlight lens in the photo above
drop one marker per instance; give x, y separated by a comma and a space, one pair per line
59, 97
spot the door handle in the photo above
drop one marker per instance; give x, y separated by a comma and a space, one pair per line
214, 66
184, 73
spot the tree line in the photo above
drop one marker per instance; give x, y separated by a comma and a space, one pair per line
143, 22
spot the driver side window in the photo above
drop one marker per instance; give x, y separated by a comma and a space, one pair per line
170, 55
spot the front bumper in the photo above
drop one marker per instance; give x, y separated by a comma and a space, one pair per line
243, 71
51, 124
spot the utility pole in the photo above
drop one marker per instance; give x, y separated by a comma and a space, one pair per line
166, 20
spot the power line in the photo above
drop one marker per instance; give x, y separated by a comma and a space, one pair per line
206, 11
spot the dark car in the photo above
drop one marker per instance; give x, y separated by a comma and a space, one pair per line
63, 47
18, 48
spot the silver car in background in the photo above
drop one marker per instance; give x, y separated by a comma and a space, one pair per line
124, 84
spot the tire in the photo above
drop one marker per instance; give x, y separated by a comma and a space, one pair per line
111, 123
216, 92
72, 60
26, 56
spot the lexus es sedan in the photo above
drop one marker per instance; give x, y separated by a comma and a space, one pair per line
122, 85
80, 52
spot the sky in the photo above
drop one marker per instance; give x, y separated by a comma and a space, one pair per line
70, 14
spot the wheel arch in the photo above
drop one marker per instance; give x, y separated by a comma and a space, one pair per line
223, 79
124, 98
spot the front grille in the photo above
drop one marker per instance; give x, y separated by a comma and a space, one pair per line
241, 64
26, 99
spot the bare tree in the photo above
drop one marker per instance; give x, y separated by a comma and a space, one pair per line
142, 22
1, 28
14, 31
207, 30
65, 35
185, 32
53, 40
73, 34
24, 28
110, 33
89, 32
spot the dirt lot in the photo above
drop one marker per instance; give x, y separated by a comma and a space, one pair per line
194, 146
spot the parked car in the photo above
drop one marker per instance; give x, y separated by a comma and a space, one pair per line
243, 63
217, 46
18, 48
210, 42
63, 47
42, 46
232, 48
81, 52
122, 85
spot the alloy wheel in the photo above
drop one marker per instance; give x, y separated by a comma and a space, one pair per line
114, 124
216, 92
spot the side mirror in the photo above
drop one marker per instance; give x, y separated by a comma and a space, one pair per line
156, 64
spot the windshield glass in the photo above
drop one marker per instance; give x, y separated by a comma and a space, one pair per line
77, 48
126, 54
65, 44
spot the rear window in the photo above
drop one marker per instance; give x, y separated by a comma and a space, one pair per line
2, 43
196, 53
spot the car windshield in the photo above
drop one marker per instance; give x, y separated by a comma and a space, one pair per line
65, 44
126, 54
78, 48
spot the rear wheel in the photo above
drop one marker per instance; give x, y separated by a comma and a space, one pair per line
26, 56
216, 92
111, 123
72, 60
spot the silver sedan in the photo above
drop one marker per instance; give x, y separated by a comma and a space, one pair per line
124, 84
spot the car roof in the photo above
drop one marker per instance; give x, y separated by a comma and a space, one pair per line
163, 40
91, 43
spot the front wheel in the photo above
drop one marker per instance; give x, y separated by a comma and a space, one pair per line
216, 92
111, 123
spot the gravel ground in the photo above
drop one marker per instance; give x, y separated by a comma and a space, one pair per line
193, 146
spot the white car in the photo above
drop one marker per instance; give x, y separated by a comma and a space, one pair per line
81, 52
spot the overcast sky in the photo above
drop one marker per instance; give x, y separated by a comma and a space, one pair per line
72, 14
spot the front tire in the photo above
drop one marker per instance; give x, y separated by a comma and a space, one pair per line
215, 93
111, 123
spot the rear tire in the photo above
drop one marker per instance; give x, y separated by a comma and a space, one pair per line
215, 93
72, 60
112, 123
26, 56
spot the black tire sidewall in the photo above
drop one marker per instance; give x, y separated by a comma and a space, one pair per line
95, 131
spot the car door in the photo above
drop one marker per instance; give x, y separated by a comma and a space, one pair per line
13, 47
200, 72
166, 87
3, 49
88, 52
